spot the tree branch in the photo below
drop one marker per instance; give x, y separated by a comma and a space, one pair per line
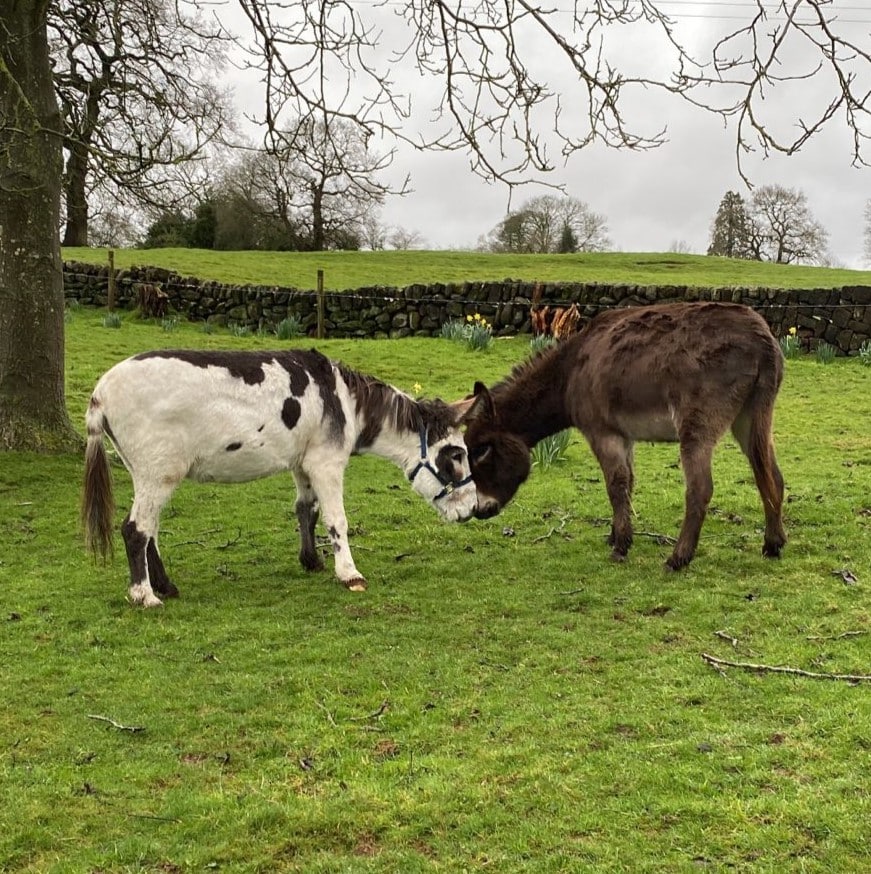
771, 669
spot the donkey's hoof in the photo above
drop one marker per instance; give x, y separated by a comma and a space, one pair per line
772, 550
357, 584
142, 597
619, 557
676, 563
311, 562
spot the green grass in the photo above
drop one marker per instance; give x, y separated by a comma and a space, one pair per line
346, 270
503, 698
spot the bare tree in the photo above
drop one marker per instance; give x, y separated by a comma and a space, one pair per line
336, 175
497, 65
135, 80
373, 232
541, 225
261, 190
782, 228
112, 224
405, 238
320, 183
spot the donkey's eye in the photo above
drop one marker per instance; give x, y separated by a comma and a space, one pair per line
480, 453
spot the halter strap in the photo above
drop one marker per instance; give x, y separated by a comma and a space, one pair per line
424, 464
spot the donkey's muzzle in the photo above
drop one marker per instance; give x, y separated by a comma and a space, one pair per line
487, 509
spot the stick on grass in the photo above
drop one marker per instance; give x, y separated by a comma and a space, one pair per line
118, 725
772, 669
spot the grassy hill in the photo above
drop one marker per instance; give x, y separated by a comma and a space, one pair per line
345, 270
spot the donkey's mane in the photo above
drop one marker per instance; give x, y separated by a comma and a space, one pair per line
529, 369
382, 404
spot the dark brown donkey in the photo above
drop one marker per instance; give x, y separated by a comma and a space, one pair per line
683, 372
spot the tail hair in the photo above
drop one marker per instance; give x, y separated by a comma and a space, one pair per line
761, 448
98, 505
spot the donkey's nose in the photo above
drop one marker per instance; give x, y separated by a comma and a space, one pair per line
486, 509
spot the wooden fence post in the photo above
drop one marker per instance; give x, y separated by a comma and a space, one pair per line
321, 331
110, 300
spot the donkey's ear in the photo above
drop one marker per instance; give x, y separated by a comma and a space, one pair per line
481, 404
460, 409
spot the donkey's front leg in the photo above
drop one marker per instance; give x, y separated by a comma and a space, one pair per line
614, 454
696, 461
327, 484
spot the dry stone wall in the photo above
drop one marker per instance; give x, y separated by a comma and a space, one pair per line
840, 316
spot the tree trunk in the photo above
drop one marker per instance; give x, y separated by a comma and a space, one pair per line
76, 175
317, 241
33, 413
76, 229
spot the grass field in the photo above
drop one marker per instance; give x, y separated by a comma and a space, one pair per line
346, 270
503, 698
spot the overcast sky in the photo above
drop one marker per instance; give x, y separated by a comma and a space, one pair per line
652, 200
658, 199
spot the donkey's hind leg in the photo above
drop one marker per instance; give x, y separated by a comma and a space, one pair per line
752, 430
307, 513
139, 531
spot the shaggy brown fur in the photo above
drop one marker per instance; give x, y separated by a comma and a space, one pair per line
684, 372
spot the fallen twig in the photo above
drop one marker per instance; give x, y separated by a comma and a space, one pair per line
552, 531
772, 669
231, 542
840, 636
661, 539
376, 715
198, 542
153, 816
118, 725
329, 715
724, 636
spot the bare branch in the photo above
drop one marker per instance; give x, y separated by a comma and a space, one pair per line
131, 728
771, 669
514, 74
136, 82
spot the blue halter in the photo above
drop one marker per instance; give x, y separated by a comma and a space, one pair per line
424, 464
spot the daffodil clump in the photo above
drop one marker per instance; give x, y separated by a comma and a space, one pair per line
476, 332
790, 344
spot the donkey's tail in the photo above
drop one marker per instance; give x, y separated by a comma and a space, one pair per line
761, 442
98, 505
